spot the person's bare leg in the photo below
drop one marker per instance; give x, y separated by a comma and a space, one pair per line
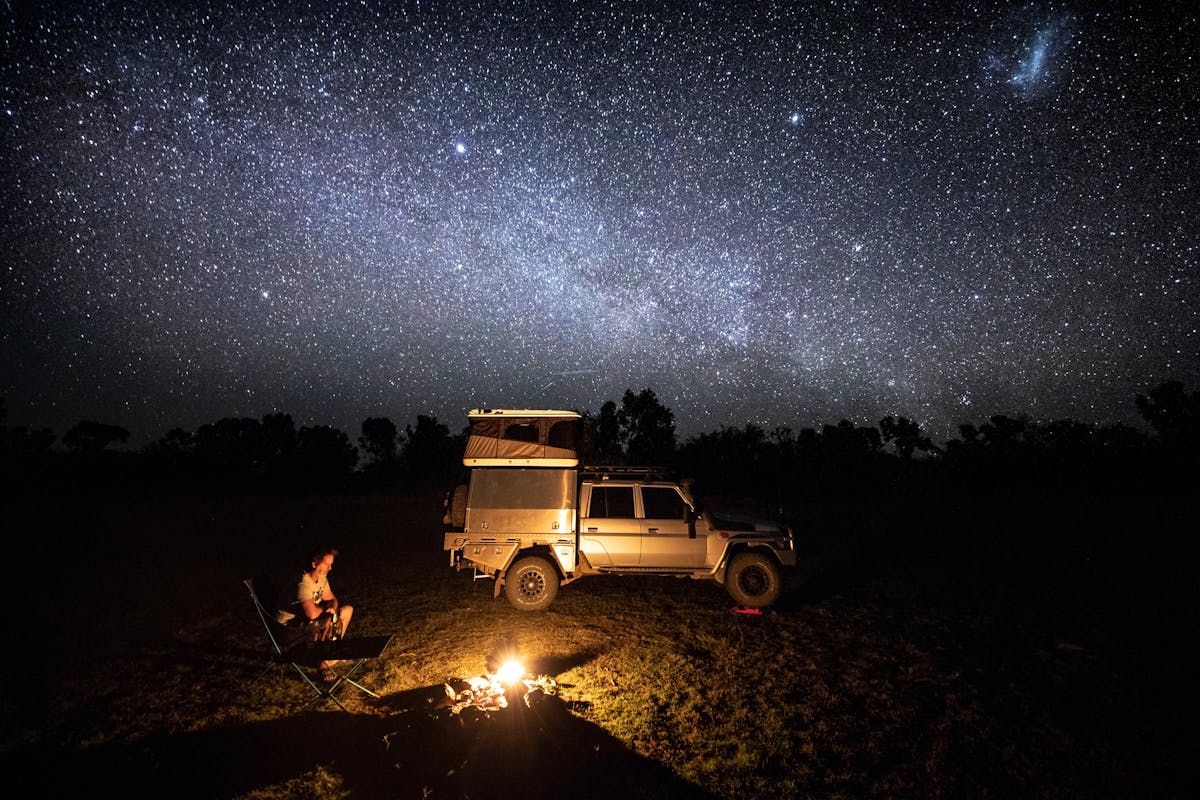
344, 615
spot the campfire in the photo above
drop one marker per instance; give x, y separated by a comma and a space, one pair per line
490, 692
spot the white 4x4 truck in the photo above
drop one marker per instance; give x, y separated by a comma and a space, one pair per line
530, 518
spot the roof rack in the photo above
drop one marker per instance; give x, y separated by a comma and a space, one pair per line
610, 472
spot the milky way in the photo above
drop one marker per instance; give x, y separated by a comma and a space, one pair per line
785, 216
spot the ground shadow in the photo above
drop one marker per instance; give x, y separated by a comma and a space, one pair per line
407, 747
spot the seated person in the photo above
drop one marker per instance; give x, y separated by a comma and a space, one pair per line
310, 599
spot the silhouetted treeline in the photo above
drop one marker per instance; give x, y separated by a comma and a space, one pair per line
1006, 456
233, 454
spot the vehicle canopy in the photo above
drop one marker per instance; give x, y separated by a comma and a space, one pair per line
513, 437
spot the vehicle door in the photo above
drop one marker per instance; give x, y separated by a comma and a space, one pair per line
668, 538
610, 533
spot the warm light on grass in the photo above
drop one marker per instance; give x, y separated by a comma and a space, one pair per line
510, 672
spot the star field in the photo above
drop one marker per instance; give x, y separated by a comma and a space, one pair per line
787, 216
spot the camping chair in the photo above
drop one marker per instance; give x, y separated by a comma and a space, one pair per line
311, 654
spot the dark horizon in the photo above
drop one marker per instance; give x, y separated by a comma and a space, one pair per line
1167, 413
1134, 421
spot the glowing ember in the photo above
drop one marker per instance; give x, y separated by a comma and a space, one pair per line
487, 691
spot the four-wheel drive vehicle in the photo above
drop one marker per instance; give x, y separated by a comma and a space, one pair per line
533, 527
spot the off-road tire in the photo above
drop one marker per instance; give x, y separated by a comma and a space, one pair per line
753, 580
531, 584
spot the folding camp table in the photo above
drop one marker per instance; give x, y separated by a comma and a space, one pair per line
356, 651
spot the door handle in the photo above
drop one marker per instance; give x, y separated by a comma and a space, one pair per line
593, 530
654, 530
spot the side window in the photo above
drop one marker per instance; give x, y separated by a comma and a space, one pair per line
663, 502
522, 432
563, 434
612, 501
486, 427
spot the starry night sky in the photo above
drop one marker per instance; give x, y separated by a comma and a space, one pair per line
785, 216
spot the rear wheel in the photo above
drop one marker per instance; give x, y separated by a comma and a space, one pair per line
531, 584
753, 580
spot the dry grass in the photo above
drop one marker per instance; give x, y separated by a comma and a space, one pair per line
886, 670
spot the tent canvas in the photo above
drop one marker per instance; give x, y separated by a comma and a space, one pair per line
521, 437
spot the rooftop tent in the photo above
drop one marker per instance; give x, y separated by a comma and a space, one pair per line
505, 437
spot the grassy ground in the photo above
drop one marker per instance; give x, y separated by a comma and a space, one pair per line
1030, 653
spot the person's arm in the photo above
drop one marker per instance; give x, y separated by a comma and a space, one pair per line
309, 607
311, 610
329, 600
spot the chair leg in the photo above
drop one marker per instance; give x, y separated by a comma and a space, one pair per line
324, 693
327, 691
300, 671
345, 677
348, 679
319, 692
362, 688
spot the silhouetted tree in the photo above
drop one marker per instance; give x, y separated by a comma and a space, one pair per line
1004, 434
647, 428
849, 459
729, 459
177, 440
604, 436
905, 435
279, 440
1173, 413
92, 437
1120, 440
1064, 440
170, 462
379, 441
21, 441
232, 448
324, 454
849, 442
431, 456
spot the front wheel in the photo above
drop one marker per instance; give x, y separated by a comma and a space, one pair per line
531, 584
753, 580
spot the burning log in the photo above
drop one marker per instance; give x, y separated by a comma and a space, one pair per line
489, 693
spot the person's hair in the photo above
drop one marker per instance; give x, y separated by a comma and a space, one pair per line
322, 551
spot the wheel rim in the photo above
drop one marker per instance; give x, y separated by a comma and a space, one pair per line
754, 581
532, 585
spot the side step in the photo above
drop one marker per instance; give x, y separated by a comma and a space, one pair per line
679, 572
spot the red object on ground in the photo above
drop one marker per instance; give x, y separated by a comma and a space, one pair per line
746, 610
